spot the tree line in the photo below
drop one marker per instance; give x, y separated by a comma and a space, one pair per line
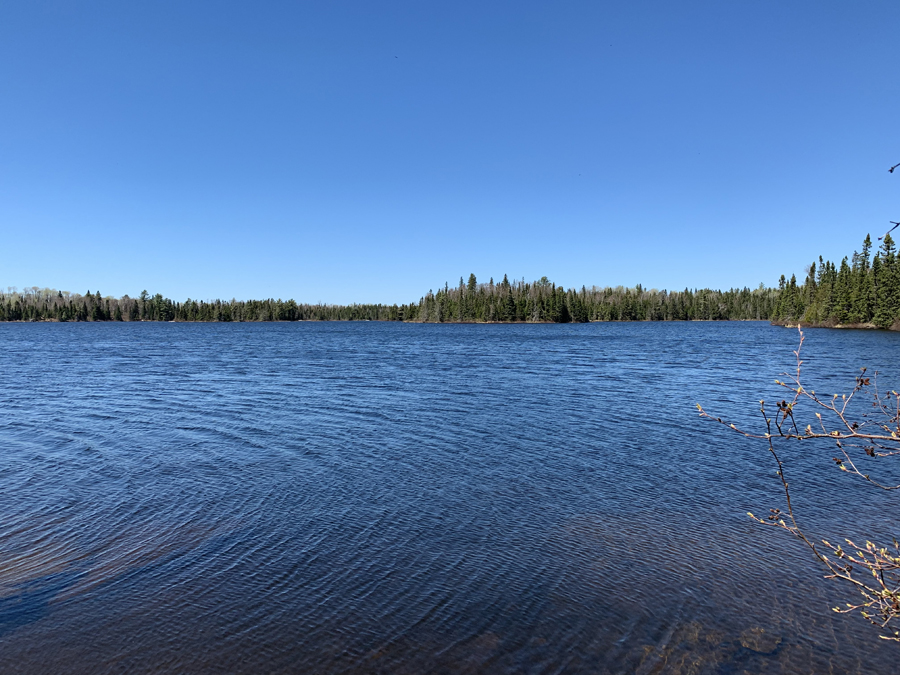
506, 301
544, 301
36, 304
861, 290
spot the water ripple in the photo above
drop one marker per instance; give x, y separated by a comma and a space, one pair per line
377, 498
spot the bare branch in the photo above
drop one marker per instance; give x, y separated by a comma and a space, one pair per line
874, 571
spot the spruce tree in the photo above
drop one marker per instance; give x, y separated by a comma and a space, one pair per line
842, 292
888, 290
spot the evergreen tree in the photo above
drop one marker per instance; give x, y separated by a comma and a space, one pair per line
887, 293
843, 289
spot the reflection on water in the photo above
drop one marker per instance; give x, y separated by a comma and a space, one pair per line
376, 498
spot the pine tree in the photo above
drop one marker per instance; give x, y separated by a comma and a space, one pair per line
809, 294
887, 293
843, 289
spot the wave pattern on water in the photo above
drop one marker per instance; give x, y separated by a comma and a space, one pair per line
381, 498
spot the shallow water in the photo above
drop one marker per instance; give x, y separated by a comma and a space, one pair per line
386, 498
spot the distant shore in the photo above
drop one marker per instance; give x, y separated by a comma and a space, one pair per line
414, 321
831, 324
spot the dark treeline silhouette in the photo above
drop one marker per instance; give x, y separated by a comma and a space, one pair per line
862, 290
517, 301
543, 301
35, 304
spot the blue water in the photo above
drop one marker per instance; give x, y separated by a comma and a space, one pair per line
387, 498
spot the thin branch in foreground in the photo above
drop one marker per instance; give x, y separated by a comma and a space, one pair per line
874, 571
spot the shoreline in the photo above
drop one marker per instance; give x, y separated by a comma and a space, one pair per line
829, 324
486, 323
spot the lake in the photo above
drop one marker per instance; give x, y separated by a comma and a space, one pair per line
408, 498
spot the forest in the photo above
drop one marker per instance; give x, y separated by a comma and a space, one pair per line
544, 301
517, 301
862, 290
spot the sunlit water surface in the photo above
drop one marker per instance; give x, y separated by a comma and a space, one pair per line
382, 498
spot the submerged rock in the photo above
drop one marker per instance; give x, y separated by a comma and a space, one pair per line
758, 640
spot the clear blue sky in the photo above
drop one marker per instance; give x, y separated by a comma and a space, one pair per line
370, 151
